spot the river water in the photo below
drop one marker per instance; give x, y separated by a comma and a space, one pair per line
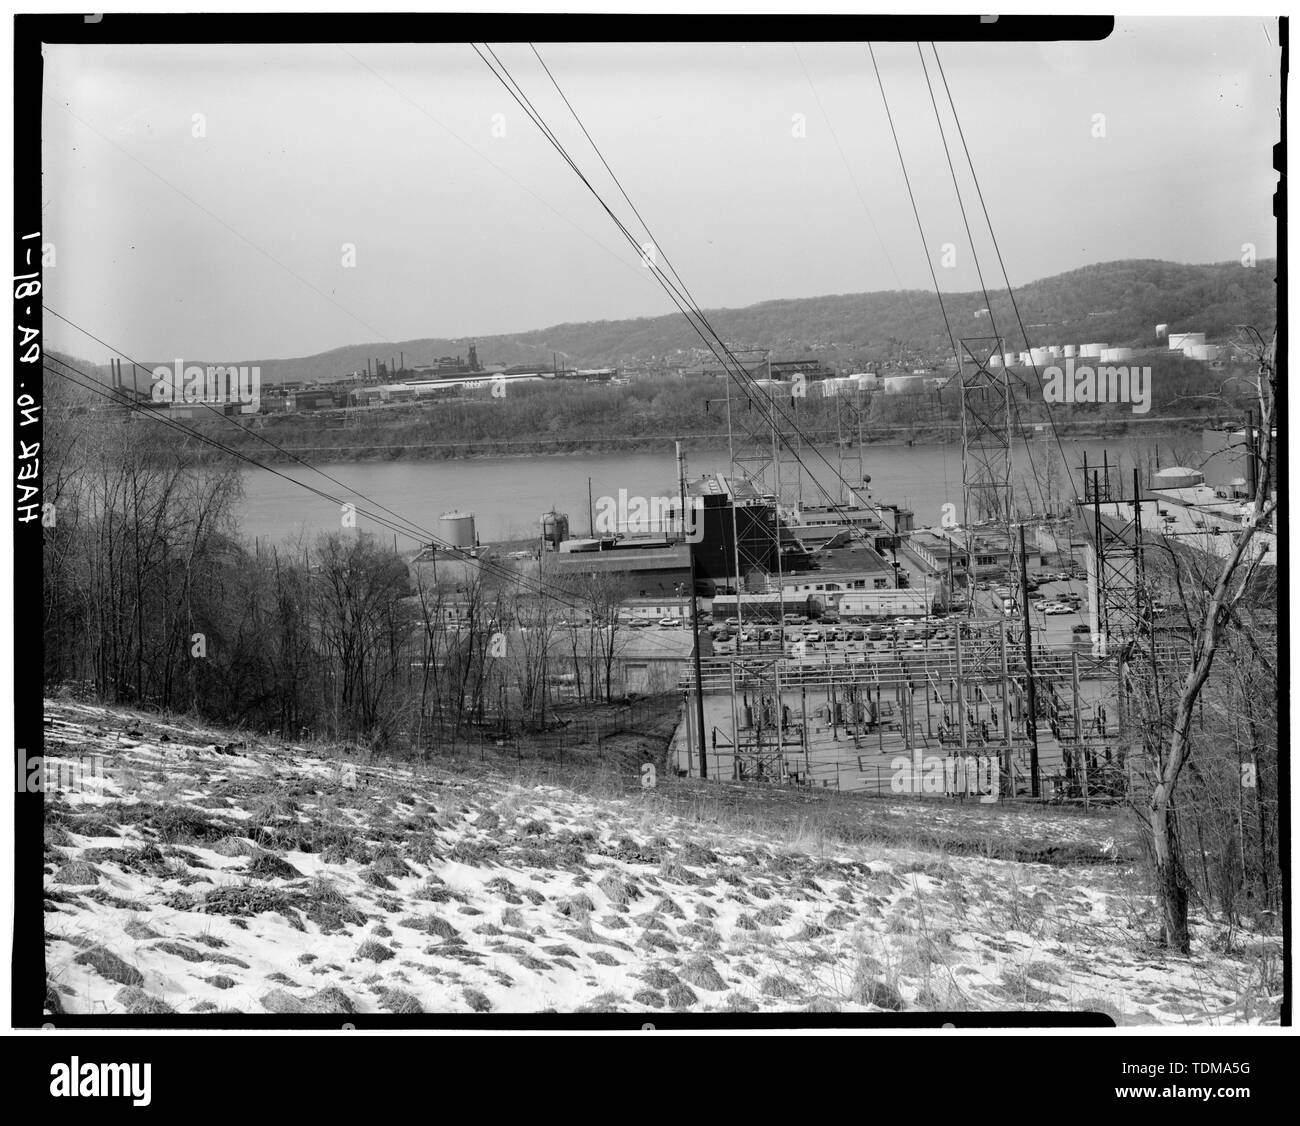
508, 495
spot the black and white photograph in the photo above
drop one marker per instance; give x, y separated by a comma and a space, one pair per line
746, 523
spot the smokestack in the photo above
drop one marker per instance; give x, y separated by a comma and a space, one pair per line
681, 485
402, 357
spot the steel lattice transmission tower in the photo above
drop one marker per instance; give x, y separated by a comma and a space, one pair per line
985, 433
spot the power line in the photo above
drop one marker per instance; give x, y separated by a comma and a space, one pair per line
676, 291
925, 244
486, 159
988, 303
540, 587
565, 597
1002, 265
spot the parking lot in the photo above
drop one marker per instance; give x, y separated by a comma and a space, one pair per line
1062, 628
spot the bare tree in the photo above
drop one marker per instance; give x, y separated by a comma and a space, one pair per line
1212, 585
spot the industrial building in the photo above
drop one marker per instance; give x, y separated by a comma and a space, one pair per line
652, 565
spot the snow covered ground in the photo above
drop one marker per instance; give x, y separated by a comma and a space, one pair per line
195, 874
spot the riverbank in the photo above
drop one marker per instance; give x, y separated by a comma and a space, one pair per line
361, 450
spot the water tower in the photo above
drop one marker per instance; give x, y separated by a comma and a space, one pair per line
555, 529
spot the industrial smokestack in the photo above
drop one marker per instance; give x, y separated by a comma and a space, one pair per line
681, 485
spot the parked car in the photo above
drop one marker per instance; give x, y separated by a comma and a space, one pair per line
639, 623
1081, 628
669, 623
1058, 608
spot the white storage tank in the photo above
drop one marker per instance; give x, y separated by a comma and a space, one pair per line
1071, 350
1161, 330
1202, 351
995, 361
1054, 350
1009, 359
1181, 341
457, 529
1116, 355
902, 384
1040, 357
1177, 477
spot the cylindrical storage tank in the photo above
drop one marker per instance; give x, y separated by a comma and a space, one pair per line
457, 529
1040, 357
1177, 477
1054, 350
1202, 351
1071, 350
1024, 357
901, 384
995, 361
1161, 330
1009, 359
1181, 341
555, 528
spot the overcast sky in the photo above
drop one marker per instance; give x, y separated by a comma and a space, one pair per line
230, 245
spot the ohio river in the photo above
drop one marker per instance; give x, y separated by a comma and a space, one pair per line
508, 495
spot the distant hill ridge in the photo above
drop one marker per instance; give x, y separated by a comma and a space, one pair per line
1119, 303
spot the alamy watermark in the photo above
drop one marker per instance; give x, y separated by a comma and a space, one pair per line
1106, 383
39, 775
644, 516
973, 775
192, 383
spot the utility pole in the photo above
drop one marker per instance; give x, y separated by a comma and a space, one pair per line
1007, 765
1078, 724
591, 512
1032, 720
699, 690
